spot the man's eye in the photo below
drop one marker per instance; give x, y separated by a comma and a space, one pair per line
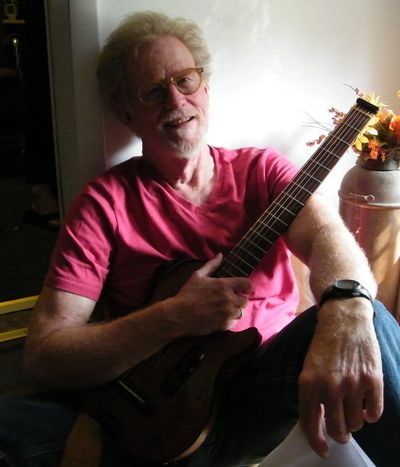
154, 93
185, 81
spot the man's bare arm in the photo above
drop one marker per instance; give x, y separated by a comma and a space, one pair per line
342, 374
64, 351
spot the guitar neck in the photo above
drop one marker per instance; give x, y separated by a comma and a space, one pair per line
245, 256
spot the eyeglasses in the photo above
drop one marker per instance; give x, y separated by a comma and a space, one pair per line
186, 82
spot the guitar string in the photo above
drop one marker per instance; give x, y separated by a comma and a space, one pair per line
281, 207
339, 139
280, 211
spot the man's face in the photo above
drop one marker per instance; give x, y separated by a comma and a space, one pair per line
177, 125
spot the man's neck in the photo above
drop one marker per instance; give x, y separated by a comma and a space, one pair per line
191, 177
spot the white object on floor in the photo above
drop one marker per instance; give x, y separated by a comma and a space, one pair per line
294, 451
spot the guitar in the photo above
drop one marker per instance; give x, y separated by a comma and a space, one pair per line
162, 410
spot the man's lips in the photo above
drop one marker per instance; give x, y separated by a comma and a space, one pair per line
178, 121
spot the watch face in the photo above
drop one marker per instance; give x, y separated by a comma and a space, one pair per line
347, 284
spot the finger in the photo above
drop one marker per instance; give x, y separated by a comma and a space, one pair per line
239, 289
242, 303
312, 428
354, 413
243, 287
311, 423
240, 313
335, 420
373, 403
210, 266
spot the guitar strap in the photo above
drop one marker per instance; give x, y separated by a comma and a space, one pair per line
83, 445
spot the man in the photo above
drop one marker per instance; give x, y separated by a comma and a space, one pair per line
185, 199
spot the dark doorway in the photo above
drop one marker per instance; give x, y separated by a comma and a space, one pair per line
28, 192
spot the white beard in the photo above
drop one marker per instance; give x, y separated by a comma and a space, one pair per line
186, 149
187, 141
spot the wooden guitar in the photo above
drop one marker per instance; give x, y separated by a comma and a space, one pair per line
162, 410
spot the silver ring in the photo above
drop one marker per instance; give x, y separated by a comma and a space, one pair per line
241, 313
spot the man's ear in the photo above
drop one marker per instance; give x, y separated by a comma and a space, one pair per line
128, 120
124, 117
131, 123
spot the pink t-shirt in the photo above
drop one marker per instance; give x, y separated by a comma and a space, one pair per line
129, 221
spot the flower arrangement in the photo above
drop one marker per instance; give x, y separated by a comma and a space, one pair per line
380, 139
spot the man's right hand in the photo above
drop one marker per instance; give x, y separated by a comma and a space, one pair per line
207, 304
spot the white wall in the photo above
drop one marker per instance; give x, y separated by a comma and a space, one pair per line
274, 61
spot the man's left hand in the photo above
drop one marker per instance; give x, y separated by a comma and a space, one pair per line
342, 374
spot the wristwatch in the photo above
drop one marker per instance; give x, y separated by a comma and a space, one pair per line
345, 288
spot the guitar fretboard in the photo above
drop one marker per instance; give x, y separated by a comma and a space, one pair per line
245, 256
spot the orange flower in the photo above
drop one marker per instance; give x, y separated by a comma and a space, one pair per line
384, 114
374, 149
395, 126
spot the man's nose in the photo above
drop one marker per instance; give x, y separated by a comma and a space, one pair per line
174, 98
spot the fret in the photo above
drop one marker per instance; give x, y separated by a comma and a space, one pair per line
238, 271
308, 174
342, 140
247, 252
366, 108
352, 127
270, 228
364, 113
330, 152
244, 264
319, 164
250, 238
282, 206
302, 188
223, 272
242, 269
258, 248
256, 237
245, 256
292, 198
313, 175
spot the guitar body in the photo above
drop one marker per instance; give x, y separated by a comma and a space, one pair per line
163, 409
178, 412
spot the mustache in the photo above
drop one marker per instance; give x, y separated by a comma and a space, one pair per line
177, 116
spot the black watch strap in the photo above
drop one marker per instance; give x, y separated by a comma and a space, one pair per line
344, 288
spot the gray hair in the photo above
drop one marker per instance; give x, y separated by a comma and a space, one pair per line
123, 44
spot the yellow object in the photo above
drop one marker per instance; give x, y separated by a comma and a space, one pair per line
14, 306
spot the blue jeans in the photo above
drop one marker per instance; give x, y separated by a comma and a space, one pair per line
258, 409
